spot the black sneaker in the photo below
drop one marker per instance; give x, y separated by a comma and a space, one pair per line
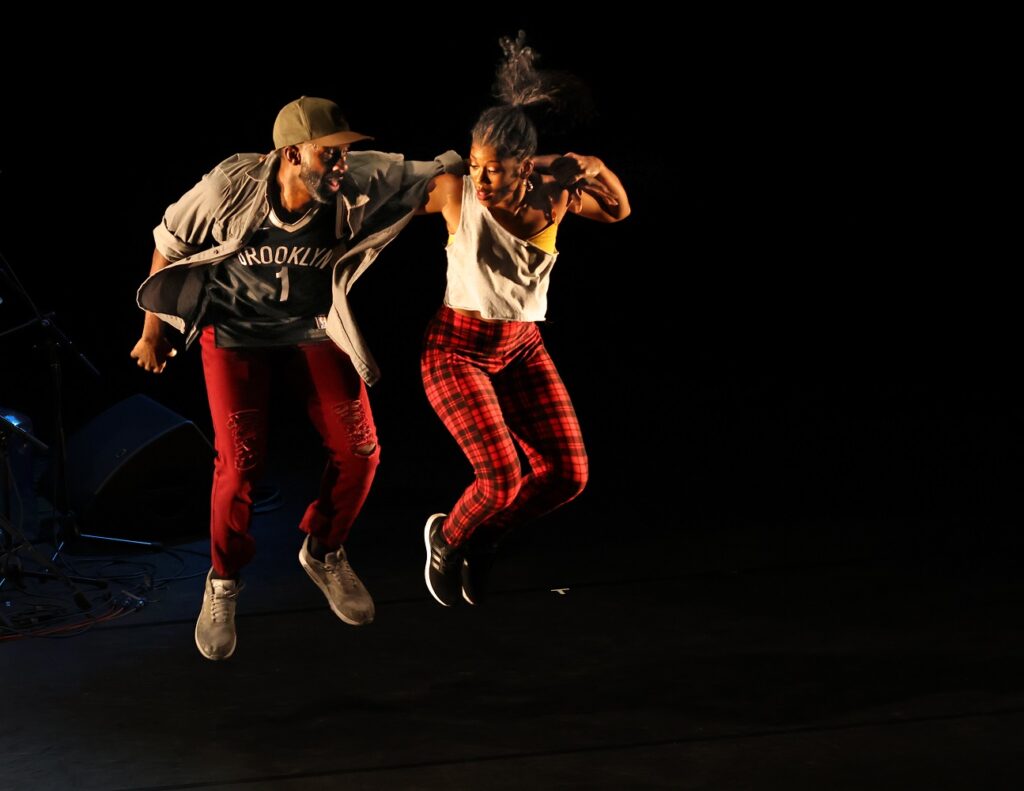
444, 563
477, 561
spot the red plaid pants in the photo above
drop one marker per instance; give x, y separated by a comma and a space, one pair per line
495, 387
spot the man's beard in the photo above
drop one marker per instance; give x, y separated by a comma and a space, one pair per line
317, 184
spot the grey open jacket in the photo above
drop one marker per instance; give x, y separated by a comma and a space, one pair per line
215, 219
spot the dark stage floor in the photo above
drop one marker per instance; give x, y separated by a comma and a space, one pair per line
625, 647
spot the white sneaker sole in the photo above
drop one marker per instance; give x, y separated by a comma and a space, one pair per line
426, 568
465, 596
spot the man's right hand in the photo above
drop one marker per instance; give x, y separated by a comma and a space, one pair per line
152, 353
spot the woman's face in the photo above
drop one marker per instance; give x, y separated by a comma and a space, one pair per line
496, 180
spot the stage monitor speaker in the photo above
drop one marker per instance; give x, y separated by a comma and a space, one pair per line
139, 470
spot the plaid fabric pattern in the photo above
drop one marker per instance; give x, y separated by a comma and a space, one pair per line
495, 387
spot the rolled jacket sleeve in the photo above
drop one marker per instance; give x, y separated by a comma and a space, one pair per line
452, 162
188, 224
417, 174
387, 177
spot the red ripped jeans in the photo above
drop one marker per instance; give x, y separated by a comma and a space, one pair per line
238, 386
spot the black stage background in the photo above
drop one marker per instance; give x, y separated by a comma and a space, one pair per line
799, 319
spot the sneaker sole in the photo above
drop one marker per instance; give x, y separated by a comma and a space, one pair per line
323, 590
465, 596
426, 568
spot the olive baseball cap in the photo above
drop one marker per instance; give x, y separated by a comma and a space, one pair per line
312, 120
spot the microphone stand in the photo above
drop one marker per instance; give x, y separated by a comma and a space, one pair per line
64, 521
14, 539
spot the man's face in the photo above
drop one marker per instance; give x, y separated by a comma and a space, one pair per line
322, 170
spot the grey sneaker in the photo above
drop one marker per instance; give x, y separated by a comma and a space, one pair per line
215, 629
346, 594
442, 572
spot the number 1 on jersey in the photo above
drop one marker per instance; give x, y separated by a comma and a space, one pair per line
282, 275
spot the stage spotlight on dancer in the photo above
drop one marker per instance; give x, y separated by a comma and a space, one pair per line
485, 369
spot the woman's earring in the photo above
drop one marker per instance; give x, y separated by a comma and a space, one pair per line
529, 184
